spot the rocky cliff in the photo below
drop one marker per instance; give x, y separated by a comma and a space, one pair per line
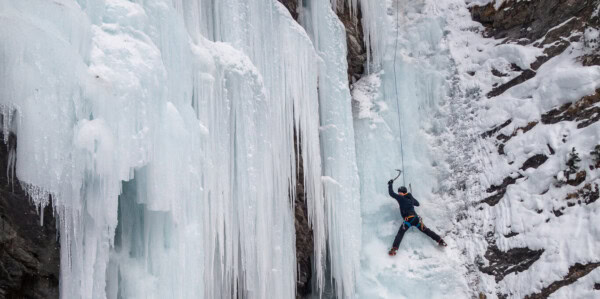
29, 249
545, 180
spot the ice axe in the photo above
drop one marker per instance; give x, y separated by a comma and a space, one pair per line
399, 173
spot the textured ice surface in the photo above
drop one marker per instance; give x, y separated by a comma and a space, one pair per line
422, 68
340, 175
164, 132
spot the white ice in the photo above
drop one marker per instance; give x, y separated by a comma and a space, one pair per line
397, 121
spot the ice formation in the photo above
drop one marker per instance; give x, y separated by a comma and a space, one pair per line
163, 132
397, 119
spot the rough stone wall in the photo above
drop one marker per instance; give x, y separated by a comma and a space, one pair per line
292, 6
357, 51
29, 252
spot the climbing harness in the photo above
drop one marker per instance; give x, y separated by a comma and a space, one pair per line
408, 223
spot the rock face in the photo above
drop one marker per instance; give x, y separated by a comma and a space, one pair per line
357, 51
527, 21
29, 252
503, 263
304, 234
292, 6
552, 26
575, 272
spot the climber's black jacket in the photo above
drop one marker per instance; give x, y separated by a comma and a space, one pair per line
407, 202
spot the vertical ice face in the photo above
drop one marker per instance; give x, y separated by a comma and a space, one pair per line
340, 176
396, 124
164, 132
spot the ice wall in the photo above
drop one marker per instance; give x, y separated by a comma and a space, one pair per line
397, 123
163, 131
340, 175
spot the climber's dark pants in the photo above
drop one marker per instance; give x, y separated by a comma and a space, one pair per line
414, 221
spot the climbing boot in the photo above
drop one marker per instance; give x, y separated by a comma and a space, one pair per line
442, 243
393, 251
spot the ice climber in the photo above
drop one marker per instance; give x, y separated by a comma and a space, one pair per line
407, 205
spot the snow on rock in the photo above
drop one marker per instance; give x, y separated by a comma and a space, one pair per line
532, 195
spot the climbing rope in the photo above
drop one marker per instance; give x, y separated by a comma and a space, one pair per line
397, 96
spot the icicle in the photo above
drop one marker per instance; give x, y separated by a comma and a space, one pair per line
164, 132
340, 177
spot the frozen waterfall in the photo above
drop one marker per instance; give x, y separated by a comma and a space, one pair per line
162, 134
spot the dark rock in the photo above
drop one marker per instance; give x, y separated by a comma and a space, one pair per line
575, 272
588, 194
498, 73
495, 129
557, 213
554, 25
292, 6
596, 156
511, 234
304, 233
29, 251
515, 67
357, 50
524, 129
524, 76
597, 286
522, 21
503, 263
551, 149
500, 190
590, 59
501, 149
579, 178
534, 162
585, 111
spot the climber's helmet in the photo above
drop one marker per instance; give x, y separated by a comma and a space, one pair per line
402, 190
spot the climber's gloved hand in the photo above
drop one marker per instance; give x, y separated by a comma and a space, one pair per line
390, 182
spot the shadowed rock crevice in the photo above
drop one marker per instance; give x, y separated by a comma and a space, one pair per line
29, 252
575, 272
534, 161
524, 76
356, 59
500, 190
524, 129
357, 51
304, 233
292, 7
495, 129
503, 263
584, 111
